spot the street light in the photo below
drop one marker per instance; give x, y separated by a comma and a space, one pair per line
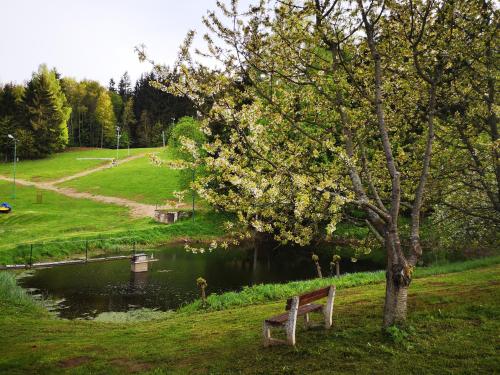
117, 140
15, 159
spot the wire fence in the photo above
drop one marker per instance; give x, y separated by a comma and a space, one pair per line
78, 249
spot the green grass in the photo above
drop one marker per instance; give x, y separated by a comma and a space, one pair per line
137, 180
13, 294
64, 164
272, 292
60, 218
452, 329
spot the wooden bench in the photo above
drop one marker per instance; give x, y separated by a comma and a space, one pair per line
300, 306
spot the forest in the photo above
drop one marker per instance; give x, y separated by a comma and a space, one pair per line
51, 112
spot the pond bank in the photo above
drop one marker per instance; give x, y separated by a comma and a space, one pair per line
452, 325
89, 289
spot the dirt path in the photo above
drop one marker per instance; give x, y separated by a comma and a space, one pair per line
137, 210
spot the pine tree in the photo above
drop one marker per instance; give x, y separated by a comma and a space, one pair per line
124, 86
47, 113
128, 120
111, 86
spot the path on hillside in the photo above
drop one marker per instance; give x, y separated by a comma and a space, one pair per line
96, 169
136, 209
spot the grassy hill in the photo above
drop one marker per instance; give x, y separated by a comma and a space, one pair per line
137, 180
65, 163
61, 218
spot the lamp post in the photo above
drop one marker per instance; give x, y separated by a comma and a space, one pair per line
15, 160
117, 140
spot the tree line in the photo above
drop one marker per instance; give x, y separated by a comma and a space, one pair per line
50, 113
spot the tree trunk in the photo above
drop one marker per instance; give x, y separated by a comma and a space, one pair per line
318, 270
203, 296
396, 296
398, 279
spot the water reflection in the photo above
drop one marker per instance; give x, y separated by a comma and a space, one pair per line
89, 289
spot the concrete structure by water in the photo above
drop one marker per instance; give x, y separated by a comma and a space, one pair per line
139, 263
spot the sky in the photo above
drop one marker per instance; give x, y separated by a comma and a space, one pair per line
94, 39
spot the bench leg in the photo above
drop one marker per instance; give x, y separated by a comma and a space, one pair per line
267, 334
291, 324
290, 333
328, 308
306, 321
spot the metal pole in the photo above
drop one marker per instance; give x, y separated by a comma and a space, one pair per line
133, 246
15, 161
86, 251
192, 193
117, 141
163, 136
192, 189
31, 255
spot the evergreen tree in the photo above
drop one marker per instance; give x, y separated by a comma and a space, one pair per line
125, 86
47, 112
10, 117
118, 105
111, 86
128, 120
161, 107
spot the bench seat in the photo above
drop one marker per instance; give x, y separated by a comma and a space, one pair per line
281, 319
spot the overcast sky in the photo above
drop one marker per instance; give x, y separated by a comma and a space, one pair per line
93, 39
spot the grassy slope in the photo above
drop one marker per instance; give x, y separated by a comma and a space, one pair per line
453, 330
64, 164
61, 218
137, 180
58, 217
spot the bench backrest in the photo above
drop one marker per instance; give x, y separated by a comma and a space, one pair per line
306, 298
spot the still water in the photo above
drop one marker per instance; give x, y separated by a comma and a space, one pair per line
86, 290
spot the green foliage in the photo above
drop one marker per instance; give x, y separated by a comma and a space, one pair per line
10, 119
105, 118
46, 111
13, 294
162, 108
401, 336
128, 121
186, 129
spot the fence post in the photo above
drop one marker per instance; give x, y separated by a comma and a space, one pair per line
31, 255
86, 251
133, 246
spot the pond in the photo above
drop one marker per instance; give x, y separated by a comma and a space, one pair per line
85, 290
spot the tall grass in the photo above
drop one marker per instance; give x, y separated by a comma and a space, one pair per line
272, 292
13, 295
